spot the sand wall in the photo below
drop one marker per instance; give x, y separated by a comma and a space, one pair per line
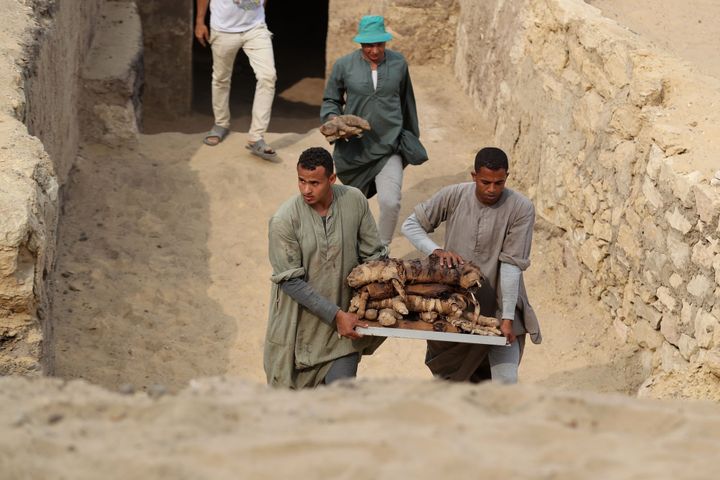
41, 91
45, 97
616, 143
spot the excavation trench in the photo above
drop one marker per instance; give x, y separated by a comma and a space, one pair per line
162, 271
161, 274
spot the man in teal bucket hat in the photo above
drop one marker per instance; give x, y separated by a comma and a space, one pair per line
374, 83
372, 30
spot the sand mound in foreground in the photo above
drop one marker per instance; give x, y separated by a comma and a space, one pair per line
227, 428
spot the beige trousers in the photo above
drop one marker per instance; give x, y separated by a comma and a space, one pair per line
257, 45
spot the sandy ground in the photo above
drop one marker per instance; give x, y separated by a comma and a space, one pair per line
163, 279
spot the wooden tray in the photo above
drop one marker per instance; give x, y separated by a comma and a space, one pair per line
424, 331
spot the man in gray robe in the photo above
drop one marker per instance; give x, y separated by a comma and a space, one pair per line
491, 226
374, 83
315, 240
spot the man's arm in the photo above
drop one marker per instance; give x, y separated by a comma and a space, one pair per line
201, 31
417, 235
301, 291
334, 96
510, 286
414, 231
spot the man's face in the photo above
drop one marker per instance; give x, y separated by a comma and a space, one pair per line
315, 186
489, 184
375, 52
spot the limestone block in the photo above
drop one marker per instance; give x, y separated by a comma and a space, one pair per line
678, 221
624, 158
626, 121
676, 280
621, 330
687, 318
602, 231
653, 237
646, 336
618, 66
707, 202
670, 137
666, 298
587, 114
670, 329
627, 240
655, 161
648, 313
592, 254
652, 194
688, 346
611, 299
646, 90
705, 326
705, 252
592, 201
620, 267
670, 359
655, 262
628, 299
700, 286
683, 187
596, 79
711, 359
679, 251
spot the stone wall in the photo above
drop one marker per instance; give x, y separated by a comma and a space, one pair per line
423, 30
42, 71
45, 76
616, 143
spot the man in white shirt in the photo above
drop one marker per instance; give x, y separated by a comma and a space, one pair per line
235, 25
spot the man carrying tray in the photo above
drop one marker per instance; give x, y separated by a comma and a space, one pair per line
491, 226
316, 239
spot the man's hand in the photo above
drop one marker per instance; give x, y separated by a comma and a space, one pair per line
202, 34
346, 323
507, 330
450, 259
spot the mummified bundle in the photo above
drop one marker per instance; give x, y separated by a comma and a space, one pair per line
390, 290
431, 270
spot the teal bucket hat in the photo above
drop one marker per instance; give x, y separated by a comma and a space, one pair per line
372, 30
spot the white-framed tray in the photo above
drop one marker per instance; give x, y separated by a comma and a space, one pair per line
423, 333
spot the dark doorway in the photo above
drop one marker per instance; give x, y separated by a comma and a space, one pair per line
299, 34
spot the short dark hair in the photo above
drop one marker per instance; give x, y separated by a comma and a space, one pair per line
492, 158
315, 157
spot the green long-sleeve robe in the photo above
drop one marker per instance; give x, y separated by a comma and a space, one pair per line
390, 109
299, 347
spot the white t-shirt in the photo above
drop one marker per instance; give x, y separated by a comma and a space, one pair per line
236, 15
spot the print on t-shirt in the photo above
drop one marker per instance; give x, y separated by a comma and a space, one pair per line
248, 4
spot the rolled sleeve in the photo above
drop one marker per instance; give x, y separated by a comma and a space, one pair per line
284, 251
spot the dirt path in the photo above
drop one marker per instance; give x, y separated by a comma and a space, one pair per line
164, 272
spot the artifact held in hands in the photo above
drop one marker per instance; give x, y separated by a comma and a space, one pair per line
425, 290
345, 127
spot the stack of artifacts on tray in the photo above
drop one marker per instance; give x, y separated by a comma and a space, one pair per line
392, 290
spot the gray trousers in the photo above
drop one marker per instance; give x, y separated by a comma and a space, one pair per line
343, 367
388, 184
504, 362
